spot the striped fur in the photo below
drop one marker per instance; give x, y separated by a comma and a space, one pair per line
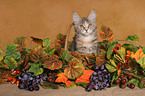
85, 40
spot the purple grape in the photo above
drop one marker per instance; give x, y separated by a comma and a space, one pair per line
25, 76
30, 78
89, 88
37, 77
100, 78
30, 88
102, 67
96, 81
94, 73
96, 87
99, 72
95, 67
19, 78
21, 86
94, 78
44, 78
36, 87
106, 76
108, 85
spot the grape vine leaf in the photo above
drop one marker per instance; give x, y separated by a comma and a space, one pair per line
47, 48
37, 40
132, 38
75, 69
106, 32
85, 77
129, 47
63, 78
122, 53
53, 62
46, 42
110, 50
20, 40
1, 57
36, 69
138, 55
48, 85
10, 62
76, 55
142, 62
110, 68
38, 54
65, 55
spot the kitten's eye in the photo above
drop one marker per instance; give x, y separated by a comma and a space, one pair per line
81, 26
90, 25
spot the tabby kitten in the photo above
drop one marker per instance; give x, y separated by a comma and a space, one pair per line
85, 40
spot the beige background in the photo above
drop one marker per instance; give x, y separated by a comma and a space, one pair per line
47, 18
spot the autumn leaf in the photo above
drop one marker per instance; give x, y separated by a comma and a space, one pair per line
76, 55
20, 41
75, 69
63, 78
37, 40
38, 54
119, 65
138, 55
85, 77
106, 33
53, 62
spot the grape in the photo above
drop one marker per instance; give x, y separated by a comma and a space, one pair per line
95, 67
102, 67
96, 87
30, 88
36, 87
89, 88
28, 81
21, 86
25, 76
100, 79
95, 73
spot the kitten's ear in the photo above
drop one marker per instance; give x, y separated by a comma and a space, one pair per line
92, 16
76, 18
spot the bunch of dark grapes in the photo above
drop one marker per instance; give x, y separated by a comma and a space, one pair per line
100, 79
30, 82
122, 81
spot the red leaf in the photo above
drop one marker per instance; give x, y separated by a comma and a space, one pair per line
37, 40
85, 77
53, 62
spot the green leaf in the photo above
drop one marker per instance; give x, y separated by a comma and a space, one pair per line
142, 62
132, 38
114, 77
66, 55
72, 86
36, 69
46, 42
129, 47
143, 49
16, 55
10, 62
10, 49
48, 85
83, 84
121, 52
49, 51
75, 69
110, 51
112, 62
20, 40
110, 68
1, 57
134, 81
142, 83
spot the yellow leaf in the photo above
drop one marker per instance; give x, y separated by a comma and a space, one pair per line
138, 55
